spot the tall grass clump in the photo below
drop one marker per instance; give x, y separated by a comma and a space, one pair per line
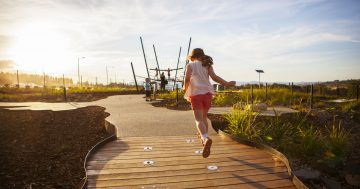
242, 123
336, 140
281, 133
310, 144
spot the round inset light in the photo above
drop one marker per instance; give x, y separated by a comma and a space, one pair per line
212, 167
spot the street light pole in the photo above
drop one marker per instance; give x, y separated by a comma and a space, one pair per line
107, 76
259, 71
79, 69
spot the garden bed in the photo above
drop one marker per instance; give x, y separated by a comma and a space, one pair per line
46, 149
305, 154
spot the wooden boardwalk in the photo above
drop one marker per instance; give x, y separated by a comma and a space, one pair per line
175, 162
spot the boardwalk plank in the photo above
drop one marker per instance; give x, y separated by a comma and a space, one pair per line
205, 180
120, 165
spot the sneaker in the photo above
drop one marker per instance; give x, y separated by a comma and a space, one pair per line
207, 147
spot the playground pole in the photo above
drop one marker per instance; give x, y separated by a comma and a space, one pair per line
187, 61
142, 46
177, 67
157, 62
132, 67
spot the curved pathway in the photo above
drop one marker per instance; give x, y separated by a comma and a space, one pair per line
158, 148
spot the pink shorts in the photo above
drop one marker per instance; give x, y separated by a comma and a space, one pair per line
202, 101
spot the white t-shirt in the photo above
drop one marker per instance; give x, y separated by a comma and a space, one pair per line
199, 81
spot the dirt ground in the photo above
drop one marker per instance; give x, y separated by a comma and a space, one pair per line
46, 149
71, 97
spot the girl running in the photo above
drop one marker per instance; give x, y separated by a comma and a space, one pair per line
199, 91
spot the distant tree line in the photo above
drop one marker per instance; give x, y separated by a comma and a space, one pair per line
32, 79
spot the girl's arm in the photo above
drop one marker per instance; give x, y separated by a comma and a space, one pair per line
187, 77
218, 79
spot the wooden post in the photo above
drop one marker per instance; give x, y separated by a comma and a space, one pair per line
357, 92
44, 80
252, 95
292, 88
147, 69
312, 96
64, 88
132, 67
177, 67
266, 91
17, 76
177, 94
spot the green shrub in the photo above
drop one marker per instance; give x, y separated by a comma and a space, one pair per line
280, 133
336, 140
242, 123
310, 144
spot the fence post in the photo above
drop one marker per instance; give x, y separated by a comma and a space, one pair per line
64, 88
357, 92
44, 80
252, 95
266, 92
177, 94
292, 88
17, 77
312, 96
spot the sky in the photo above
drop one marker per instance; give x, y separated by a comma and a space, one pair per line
298, 40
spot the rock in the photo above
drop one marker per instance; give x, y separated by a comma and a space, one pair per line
307, 174
331, 184
257, 107
352, 175
353, 180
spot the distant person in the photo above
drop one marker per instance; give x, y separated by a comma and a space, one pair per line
199, 92
147, 88
163, 81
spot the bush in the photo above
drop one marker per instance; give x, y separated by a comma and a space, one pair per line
310, 144
281, 133
336, 140
242, 123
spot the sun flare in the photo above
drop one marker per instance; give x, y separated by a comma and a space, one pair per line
38, 48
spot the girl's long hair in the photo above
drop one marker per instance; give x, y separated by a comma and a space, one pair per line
199, 54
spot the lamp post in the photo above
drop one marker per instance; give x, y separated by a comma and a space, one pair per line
259, 71
79, 69
107, 74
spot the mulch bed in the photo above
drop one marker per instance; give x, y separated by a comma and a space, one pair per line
46, 149
72, 97
171, 104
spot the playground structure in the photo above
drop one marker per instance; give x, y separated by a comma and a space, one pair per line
156, 77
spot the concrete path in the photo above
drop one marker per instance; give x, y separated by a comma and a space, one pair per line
131, 114
271, 111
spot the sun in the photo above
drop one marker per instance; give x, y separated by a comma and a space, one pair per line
39, 48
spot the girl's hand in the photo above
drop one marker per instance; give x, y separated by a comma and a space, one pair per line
230, 83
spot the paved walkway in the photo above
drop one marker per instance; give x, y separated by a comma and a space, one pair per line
271, 111
158, 148
131, 114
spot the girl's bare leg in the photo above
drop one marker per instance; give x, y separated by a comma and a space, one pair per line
199, 120
205, 111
